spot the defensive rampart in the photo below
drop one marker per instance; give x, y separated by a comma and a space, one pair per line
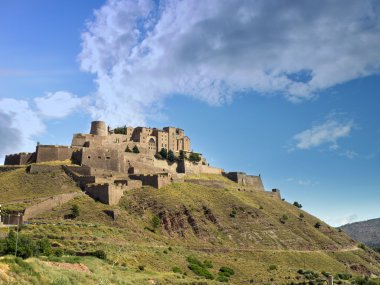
246, 180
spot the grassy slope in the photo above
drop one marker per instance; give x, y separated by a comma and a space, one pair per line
19, 188
249, 242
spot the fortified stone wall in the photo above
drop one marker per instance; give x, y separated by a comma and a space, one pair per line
19, 158
52, 153
185, 166
103, 158
155, 180
244, 179
48, 204
82, 180
105, 193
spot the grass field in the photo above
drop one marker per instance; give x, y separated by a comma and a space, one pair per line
235, 227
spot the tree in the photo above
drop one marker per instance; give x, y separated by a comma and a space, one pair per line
298, 205
128, 149
171, 156
164, 153
120, 130
182, 155
194, 157
75, 211
135, 149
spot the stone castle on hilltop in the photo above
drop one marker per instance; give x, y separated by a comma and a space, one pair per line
107, 162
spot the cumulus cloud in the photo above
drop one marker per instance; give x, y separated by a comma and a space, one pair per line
329, 132
144, 51
59, 104
21, 122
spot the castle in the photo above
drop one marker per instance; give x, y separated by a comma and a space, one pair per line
108, 162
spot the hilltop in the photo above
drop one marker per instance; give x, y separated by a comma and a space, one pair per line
367, 232
153, 236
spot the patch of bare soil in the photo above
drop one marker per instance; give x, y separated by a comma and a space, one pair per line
69, 266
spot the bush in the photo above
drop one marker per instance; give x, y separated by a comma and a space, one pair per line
99, 254
272, 267
302, 215
135, 149
194, 157
226, 271
199, 268
317, 225
222, 278
164, 153
284, 218
128, 149
75, 211
158, 156
362, 246
176, 269
298, 205
171, 156
156, 222
141, 267
208, 264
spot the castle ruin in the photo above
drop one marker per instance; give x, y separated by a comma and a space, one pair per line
108, 162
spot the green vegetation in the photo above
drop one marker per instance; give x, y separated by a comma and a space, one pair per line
75, 211
298, 205
120, 130
194, 157
199, 268
193, 221
317, 225
164, 153
171, 156
135, 149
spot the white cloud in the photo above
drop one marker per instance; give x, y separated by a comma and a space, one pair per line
141, 53
328, 132
19, 124
59, 104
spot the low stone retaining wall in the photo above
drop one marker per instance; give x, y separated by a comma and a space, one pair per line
48, 204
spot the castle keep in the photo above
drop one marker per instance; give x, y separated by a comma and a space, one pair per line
108, 162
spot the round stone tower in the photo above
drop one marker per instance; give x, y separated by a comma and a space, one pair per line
98, 128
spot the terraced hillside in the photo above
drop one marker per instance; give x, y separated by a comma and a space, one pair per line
149, 237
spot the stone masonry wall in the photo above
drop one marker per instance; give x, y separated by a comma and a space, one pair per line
48, 204
52, 153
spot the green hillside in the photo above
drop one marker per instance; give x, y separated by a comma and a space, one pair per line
263, 239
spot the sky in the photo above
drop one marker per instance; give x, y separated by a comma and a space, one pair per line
287, 89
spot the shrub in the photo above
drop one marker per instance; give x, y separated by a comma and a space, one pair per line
171, 156
128, 149
362, 246
199, 268
176, 269
298, 205
58, 252
156, 222
158, 156
141, 267
222, 278
261, 207
120, 130
164, 153
75, 211
317, 225
302, 215
99, 254
284, 218
135, 149
44, 246
194, 157
272, 267
226, 271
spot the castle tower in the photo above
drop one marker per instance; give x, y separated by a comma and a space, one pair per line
99, 128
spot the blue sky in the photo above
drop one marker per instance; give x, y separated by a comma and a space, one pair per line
285, 89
